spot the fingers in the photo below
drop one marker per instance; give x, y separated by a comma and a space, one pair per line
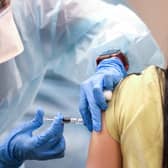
108, 81
96, 101
98, 93
99, 98
84, 110
55, 131
96, 118
58, 150
90, 112
55, 150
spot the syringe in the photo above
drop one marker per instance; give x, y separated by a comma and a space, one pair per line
78, 120
68, 120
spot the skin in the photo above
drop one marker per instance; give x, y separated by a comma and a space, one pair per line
154, 14
104, 151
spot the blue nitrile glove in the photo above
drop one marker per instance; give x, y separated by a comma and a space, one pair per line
22, 145
108, 73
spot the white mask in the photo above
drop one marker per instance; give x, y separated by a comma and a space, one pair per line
10, 46
10, 42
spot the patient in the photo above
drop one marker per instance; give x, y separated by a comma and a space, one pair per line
135, 126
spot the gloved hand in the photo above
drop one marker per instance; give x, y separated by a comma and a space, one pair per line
22, 145
108, 73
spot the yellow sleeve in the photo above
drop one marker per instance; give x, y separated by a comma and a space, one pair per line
124, 95
111, 119
130, 100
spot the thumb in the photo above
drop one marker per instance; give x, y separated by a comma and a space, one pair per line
35, 123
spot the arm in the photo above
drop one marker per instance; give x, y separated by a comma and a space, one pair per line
104, 151
154, 13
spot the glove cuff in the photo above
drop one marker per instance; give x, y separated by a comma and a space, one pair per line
4, 165
6, 161
114, 53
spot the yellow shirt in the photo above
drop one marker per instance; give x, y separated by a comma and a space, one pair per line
134, 118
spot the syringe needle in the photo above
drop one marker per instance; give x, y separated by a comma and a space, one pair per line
66, 120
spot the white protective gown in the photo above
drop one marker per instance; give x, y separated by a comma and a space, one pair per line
61, 40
